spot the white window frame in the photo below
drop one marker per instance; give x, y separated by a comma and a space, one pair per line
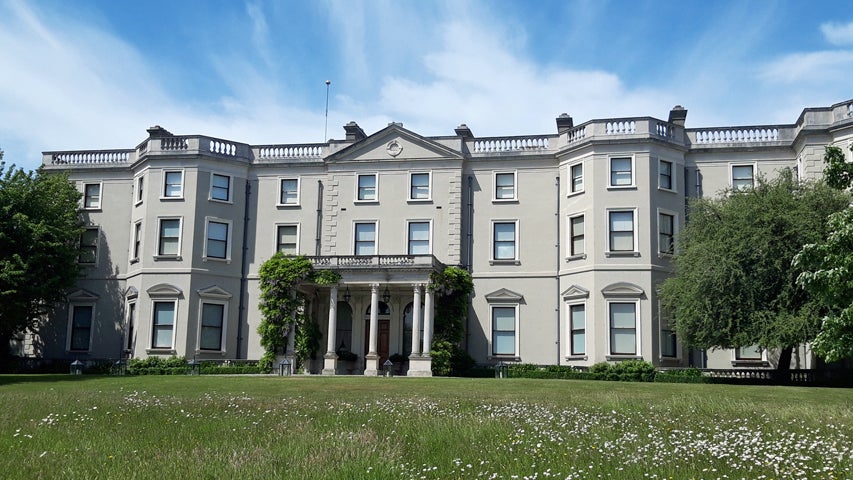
428, 197
154, 302
86, 196
675, 226
139, 189
495, 175
570, 341
609, 251
158, 254
736, 358
230, 191
637, 329
375, 224
673, 183
571, 254
298, 200
665, 325
409, 236
573, 190
205, 299
732, 167
517, 250
277, 239
517, 343
375, 198
72, 306
136, 245
163, 192
610, 160
131, 320
228, 236
97, 245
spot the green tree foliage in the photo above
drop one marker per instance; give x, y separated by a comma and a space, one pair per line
39, 243
837, 173
281, 305
452, 287
734, 282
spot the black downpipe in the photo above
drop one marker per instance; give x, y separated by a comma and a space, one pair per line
317, 242
557, 270
470, 230
244, 271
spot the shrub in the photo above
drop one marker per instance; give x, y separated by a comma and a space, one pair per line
686, 375
158, 366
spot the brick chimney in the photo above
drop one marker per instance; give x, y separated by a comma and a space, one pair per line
564, 123
354, 132
678, 115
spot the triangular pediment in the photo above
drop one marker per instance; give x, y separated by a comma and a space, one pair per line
575, 292
131, 292
164, 290
395, 144
214, 291
504, 295
622, 289
82, 295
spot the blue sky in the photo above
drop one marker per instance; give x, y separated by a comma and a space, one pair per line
96, 74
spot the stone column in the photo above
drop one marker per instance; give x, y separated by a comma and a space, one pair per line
420, 365
290, 351
372, 358
416, 322
330, 359
428, 321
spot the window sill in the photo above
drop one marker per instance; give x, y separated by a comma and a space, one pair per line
575, 194
504, 358
365, 201
618, 356
504, 262
667, 190
216, 200
137, 203
161, 351
419, 200
665, 254
577, 358
750, 363
582, 256
134, 260
287, 205
621, 254
91, 209
172, 199
168, 258
218, 260
504, 200
621, 187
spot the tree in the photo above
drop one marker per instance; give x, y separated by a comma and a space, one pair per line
39, 244
734, 283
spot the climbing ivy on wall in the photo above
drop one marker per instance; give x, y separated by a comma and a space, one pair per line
452, 287
282, 305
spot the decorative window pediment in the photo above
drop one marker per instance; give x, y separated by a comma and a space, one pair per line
575, 292
214, 291
623, 289
164, 290
504, 295
82, 295
132, 292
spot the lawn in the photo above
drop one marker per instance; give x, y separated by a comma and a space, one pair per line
265, 427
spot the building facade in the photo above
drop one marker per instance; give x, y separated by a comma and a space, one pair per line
567, 237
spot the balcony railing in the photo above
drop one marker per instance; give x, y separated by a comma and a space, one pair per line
296, 151
92, 157
374, 261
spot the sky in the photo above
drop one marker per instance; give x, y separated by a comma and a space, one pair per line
95, 75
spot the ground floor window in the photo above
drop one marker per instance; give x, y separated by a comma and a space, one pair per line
81, 327
163, 325
212, 317
577, 329
503, 330
623, 328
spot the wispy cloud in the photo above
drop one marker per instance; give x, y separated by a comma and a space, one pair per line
838, 33
810, 67
260, 32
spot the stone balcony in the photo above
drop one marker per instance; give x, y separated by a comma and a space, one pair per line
374, 262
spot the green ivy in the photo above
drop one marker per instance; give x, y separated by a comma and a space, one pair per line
281, 304
452, 287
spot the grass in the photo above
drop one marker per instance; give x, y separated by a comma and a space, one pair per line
400, 428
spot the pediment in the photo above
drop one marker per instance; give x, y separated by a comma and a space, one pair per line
214, 291
131, 292
164, 290
395, 144
504, 295
82, 295
575, 292
622, 289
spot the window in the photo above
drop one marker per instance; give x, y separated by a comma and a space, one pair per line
504, 240
163, 324
89, 246
666, 229
131, 323
170, 237
366, 188
621, 172
136, 249
665, 175
140, 184
503, 330
752, 353
419, 186
92, 196
742, 177
220, 187
576, 172
419, 238
212, 320
365, 238
408, 327
621, 238
81, 327
287, 239
577, 329
218, 236
288, 191
668, 344
505, 186
173, 185
576, 236
344, 328
623, 328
